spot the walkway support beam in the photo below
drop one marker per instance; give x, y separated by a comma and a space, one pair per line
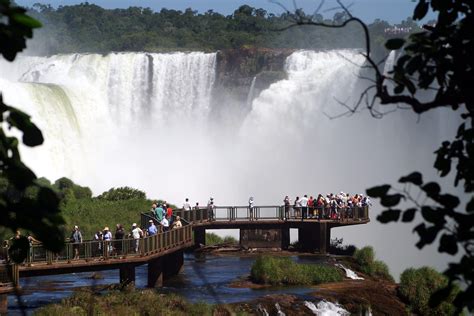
199, 236
155, 273
127, 275
315, 237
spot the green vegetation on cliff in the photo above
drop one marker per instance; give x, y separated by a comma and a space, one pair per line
365, 258
417, 286
270, 270
89, 28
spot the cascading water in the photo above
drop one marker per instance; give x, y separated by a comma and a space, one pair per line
90, 106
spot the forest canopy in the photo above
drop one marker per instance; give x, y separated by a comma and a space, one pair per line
90, 28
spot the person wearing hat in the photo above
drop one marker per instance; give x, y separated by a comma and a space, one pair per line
177, 223
107, 235
137, 233
76, 239
152, 230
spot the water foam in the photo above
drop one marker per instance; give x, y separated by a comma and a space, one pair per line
325, 308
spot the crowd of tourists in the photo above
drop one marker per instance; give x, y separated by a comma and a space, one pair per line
332, 206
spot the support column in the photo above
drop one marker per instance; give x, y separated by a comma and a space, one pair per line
3, 304
314, 236
155, 273
199, 236
285, 238
173, 264
324, 237
127, 275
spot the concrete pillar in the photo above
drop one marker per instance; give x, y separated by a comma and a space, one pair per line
173, 264
199, 236
3, 304
127, 275
155, 273
285, 238
314, 236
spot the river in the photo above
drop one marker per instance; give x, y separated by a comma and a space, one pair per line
205, 278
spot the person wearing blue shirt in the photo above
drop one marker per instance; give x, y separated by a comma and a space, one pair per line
152, 230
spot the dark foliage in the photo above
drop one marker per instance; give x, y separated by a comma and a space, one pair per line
122, 194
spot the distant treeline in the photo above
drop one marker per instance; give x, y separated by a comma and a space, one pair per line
90, 28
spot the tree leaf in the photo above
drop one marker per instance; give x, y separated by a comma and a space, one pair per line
448, 244
420, 10
431, 189
389, 216
26, 20
470, 206
18, 250
391, 200
394, 43
435, 216
378, 191
449, 201
414, 177
427, 235
409, 215
32, 135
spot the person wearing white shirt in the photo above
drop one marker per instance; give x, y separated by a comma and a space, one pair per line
165, 223
304, 207
186, 205
251, 203
137, 233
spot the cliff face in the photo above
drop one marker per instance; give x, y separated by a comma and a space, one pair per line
236, 69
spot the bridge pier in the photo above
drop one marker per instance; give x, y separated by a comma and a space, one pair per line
285, 238
315, 236
173, 264
127, 275
199, 236
155, 273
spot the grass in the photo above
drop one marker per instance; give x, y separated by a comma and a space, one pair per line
270, 270
131, 302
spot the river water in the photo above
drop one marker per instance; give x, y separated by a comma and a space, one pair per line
205, 278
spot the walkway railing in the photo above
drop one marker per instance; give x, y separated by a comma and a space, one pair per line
272, 212
91, 250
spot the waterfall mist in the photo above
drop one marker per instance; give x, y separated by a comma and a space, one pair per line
148, 121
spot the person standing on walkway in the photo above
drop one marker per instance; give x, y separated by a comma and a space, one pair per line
76, 239
186, 205
159, 213
304, 207
107, 240
137, 233
152, 230
251, 208
210, 209
286, 202
119, 235
297, 207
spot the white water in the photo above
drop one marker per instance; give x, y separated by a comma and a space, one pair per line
349, 273
325, 308
146, 121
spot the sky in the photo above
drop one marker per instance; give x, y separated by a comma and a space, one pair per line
392, 11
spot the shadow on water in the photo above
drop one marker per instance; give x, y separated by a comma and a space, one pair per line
206, 278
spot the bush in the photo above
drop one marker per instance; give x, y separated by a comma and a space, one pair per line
338, 248
122, 194
417, 286
365, 258
270, 270
214, 239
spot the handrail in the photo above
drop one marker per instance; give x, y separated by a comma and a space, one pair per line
91, 250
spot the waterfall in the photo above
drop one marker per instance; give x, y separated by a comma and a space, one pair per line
349, 273
325, 308
87, 105
251, 91
389, 62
